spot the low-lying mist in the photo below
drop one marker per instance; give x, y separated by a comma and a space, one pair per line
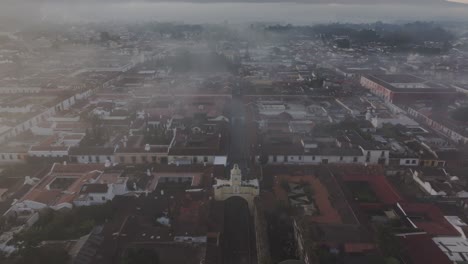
207, 11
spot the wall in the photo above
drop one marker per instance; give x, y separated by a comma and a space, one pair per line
42, 131
426, 186
140, 158
47, 153
191, 159
377, 89
248, 193
16, 109
374, 156
93, 159
409, 162
64, 119
307, 159
12, 157
454, 136
16, 90
28, 124
399, 120
261, 234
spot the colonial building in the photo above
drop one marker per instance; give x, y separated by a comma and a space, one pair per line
398, 88
235, 186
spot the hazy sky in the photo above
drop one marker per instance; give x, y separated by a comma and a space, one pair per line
201, 11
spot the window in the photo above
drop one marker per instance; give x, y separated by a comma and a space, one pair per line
133, 159
195, 159
98, 159
143, 159
274, 158
382, 154
313, 157
91, 198
153, 158
367, 159
103, 198
205, 159
108, 158
90, 159
341, 158
355, 159
407, 161
122, 159
11, 156
291, 158
300, 157
413, 162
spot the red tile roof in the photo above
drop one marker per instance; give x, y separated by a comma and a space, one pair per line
421, 249
76, 168
429, 218
80, 174
379, 184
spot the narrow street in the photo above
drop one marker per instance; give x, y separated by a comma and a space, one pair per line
238, 242
238, 237
239, 143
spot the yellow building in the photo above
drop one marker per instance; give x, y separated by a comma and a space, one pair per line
235, 186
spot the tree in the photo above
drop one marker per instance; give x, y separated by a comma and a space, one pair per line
388, 242
46, 254
104, 36
140, 256
460, 114
63, 225
325, 256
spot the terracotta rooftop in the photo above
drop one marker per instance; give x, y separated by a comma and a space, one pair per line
421, 249
62, 184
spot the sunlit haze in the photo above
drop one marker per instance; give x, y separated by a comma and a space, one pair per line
233, 131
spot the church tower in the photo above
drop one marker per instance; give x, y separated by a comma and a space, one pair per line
236, 178
248, 189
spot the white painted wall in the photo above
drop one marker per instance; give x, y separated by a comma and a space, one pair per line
94, 159
409, 162
308, 159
